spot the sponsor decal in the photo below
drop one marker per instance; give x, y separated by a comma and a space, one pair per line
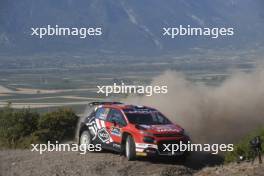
115, 131
97, 129
166, 129
103, 135
115, 145
143, 111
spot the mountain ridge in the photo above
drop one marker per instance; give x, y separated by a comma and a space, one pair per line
129, 26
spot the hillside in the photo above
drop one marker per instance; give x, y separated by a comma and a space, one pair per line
129, 27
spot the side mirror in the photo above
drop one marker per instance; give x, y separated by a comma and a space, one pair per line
114, 122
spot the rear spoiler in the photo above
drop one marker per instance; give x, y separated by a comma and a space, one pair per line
97, 103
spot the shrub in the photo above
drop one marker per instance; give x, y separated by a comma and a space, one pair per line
242, 148
15, 125
57, 126
20, 128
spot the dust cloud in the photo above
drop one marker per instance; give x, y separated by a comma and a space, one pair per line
213, 114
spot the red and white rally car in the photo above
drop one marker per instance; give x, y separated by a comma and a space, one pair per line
131, 130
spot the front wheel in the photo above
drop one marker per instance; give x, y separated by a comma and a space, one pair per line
130, 148
85, 140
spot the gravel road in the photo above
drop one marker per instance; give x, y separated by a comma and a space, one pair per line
27, 163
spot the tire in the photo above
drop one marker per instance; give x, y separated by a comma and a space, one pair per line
85, 139
130, 149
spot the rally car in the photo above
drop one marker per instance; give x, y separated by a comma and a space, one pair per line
130, 130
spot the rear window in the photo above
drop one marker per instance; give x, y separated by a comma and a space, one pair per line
150, 118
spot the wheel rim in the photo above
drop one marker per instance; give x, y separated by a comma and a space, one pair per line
127, 149
84, 139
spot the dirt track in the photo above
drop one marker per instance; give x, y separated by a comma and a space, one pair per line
26, 163
71, 163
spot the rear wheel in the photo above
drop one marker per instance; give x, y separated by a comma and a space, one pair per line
130, 149
85, 140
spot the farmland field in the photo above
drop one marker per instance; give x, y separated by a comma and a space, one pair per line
73, 83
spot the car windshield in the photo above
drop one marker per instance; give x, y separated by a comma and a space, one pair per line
153, 118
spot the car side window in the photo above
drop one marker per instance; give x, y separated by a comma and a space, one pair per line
102, 113
117, 117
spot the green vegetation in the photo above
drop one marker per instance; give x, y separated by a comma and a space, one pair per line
20, 128
57, 126
243, 148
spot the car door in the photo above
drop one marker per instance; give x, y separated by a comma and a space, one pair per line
114, 123
101, 134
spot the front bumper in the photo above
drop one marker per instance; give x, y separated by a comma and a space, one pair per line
145, 149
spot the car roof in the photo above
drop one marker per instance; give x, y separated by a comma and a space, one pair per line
122, 106
127, 107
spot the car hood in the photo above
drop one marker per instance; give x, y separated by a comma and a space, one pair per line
161, 129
